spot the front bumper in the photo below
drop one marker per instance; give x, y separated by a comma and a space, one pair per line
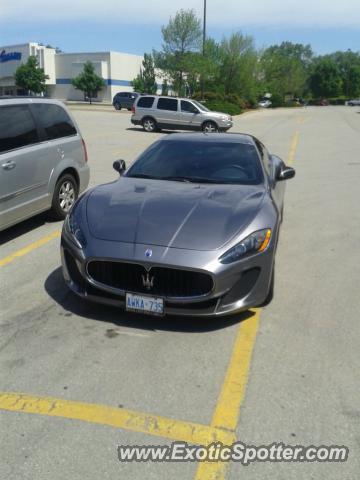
225, 126
237, 287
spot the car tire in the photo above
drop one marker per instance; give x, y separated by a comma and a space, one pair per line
65, 194
210, 127
117, 106
149, 125
129, 109
270, 294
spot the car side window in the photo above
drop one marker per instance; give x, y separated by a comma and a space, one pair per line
54, 120
167, 104
145, 102
17, 128
188, 107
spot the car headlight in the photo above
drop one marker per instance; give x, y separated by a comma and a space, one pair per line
255, 243
225, 118
74, 230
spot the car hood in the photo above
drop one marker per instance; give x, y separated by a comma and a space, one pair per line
173, 214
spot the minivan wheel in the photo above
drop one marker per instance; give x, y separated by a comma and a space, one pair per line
210, 127
117, 106
65, 194
149, 125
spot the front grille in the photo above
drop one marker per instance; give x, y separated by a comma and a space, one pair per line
166, 282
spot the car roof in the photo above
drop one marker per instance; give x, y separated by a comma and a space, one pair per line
167, 96
210, 137
12, 100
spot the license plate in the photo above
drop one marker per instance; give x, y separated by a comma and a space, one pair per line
144, 304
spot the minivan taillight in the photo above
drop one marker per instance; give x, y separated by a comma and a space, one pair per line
85, 151
133, 109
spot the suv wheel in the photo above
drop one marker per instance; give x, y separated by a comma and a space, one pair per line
65, 193
149, 125
117, 106
210, 127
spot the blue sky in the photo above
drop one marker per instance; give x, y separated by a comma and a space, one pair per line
120, 25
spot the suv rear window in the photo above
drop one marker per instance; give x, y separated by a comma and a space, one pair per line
167, 104
146, 102
17, 127
54, 120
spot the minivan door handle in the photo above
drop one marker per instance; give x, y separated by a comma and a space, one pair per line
9, 165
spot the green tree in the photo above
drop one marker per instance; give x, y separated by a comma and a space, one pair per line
348, 64
325, 80
284, 69
31, 77
181, 42
146, 80
88, 81
238, 66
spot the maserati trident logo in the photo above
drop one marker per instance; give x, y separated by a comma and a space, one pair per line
148, 281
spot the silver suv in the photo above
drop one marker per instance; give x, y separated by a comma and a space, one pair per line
155, 113
43, 159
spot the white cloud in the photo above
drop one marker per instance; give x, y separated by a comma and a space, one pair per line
229, 13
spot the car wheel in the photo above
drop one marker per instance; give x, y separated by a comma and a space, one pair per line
65, 194
270, 294
129, 109
149, 125
117, 106
210, 127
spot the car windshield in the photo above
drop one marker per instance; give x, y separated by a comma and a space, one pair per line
201, 106
200, 162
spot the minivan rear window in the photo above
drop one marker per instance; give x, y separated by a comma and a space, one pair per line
17, 127
54, 120
146, 102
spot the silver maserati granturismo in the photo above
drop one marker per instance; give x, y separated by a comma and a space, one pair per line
191, 228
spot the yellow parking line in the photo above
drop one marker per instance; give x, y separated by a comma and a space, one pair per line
227, 410
192, 433
293, 148
33, 246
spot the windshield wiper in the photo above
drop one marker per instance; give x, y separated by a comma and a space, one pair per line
191, 179
177, 179
143, 175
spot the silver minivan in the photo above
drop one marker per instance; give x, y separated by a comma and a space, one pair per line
155, 113
43, 159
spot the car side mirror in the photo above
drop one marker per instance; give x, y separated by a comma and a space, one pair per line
119, 166
286, 173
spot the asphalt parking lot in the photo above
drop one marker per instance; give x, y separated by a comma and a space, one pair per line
77, 379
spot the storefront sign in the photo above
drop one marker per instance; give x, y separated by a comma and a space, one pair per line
6, 57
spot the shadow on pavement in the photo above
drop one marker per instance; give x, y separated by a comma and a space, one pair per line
140, 129
59, 292
26, 226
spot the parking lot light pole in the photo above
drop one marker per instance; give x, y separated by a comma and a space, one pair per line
204, 27
203, 47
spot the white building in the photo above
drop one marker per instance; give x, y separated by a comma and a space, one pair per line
117, 69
